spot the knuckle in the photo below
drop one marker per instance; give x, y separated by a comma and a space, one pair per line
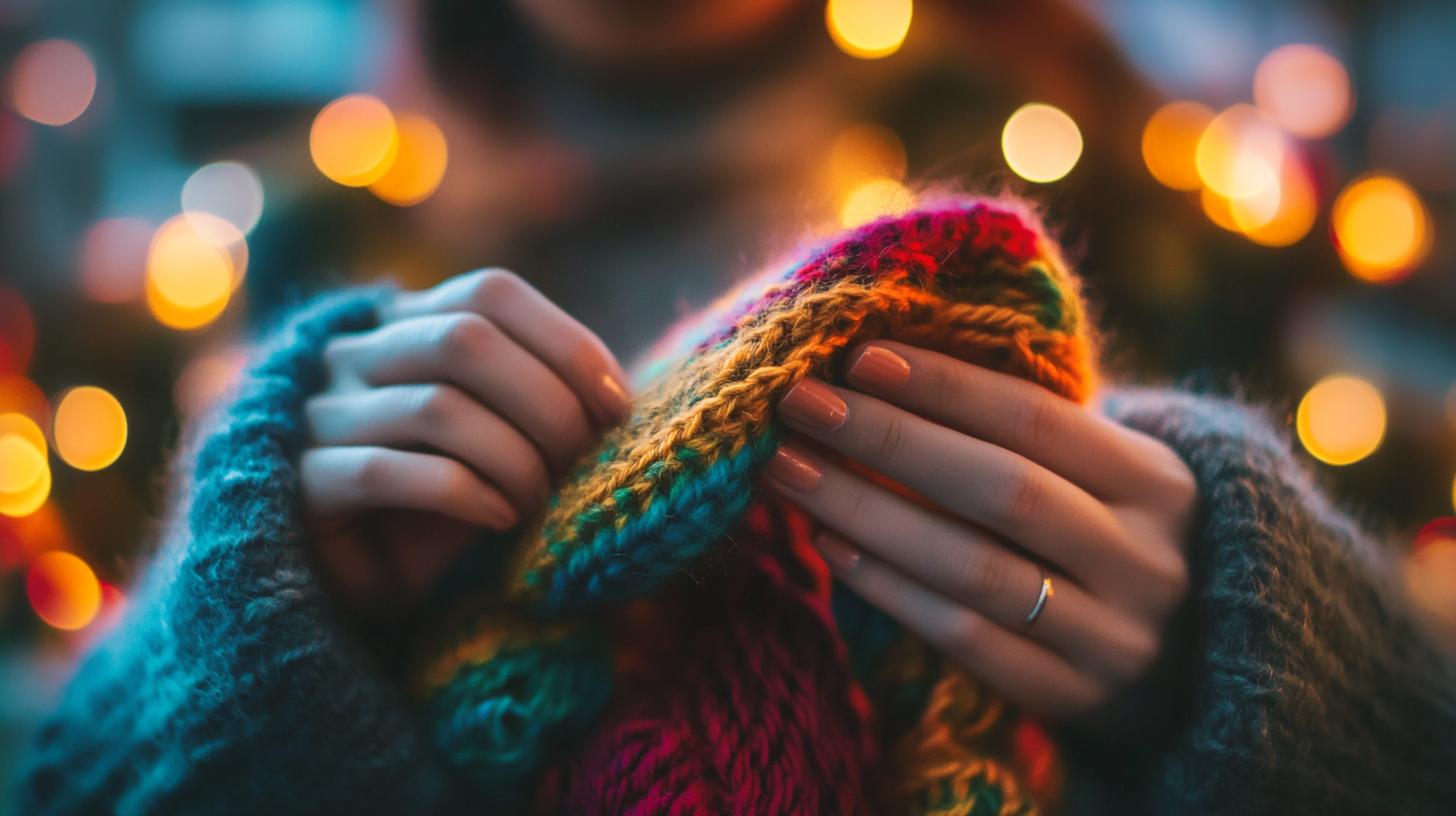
1142, 651
1022, 498
1037, 422
369, 473
493, 285
431, 405
466, 337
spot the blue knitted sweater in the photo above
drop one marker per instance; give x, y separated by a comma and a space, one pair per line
235, 685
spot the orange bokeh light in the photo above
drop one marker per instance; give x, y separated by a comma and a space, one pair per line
52, 82
1341, 420
1240, 153
25, 473
194, 263
1304, 89
418, 166
63, 590
354, 140
90, 428
1170, 140
869, 29
876, 198
1381, 229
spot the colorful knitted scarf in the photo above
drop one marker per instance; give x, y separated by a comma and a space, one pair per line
666, 640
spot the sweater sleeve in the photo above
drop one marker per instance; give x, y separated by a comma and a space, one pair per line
1311, 689
231, 685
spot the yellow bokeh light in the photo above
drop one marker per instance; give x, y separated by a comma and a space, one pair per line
89, 428
1381, 229
869, 29
1041, 143
1304, 89
25, 474
354, 140
876, 198
1341, 420
1290, 219
52, 82
190, 276
1170, 140
1240, 153
63, 590
418, 166
865, 151
1218, 210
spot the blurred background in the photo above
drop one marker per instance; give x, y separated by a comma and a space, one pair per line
1261, 196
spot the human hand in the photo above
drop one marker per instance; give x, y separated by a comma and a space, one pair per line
1019, 478
455, 415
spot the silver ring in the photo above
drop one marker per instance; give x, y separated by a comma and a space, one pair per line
1041, 600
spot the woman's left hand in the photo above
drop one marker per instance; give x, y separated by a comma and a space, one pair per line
1025, 486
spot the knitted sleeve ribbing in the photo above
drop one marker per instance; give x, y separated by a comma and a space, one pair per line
1313, 690
231, 685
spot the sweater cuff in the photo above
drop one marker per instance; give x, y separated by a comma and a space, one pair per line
1310, 689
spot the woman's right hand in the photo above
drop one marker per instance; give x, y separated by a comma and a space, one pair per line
456, 414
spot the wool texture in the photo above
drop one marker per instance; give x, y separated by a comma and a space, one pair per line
767, 688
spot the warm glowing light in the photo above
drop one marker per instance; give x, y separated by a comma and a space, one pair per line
90, 428
52, 82
354, 140
1304, 90
63, 590
419, 164
869, 29
21, 537
18, 395
1381, 229
1430, 575
190, 277
25, 474
1240, 154
1341, 420
1041, 143
876, 198
228, 190
1218, 210
113, 259
865, 151
1285, 220
1170, 140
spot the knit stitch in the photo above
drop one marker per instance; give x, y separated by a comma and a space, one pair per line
776, 702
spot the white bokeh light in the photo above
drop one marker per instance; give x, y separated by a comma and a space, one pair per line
227, 189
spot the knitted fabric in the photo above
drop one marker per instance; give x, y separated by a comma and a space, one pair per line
764, 690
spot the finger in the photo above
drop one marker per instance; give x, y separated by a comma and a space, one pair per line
472, 352
1090, 450
1025, 673
576, 354
340, 481
963, 564
443, 418
978, 481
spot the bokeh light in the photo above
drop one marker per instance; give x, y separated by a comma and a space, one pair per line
229, 190
865, 151
90, 428
63, 590
52, 82
1041, 143
1381, 229
1218, 210
14, 144
1304, 89
354, 140
21, 537
17, 332
1430, 575
869, 29
190, 278
1240, 154
113, 261
873, 199
1281, 215
1170, 140
419, 163
18, 395
25, 475
1341, 420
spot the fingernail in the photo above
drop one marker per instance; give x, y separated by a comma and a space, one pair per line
794, 468
613, 398
838, 552
879, 369
814, 405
